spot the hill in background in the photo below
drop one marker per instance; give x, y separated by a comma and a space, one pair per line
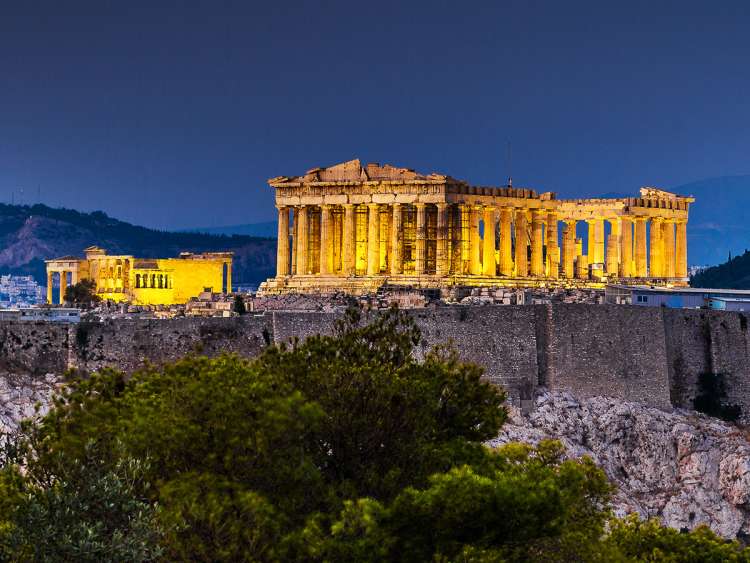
31, 234
733, 274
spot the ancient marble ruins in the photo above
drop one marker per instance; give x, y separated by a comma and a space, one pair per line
353, 228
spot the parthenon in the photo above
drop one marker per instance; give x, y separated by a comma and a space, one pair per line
354, 228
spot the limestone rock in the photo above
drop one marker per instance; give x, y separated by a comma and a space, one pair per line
682, 467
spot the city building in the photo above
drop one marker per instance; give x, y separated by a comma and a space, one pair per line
20, 291
48, 314
678, 297
353, 228
143, 281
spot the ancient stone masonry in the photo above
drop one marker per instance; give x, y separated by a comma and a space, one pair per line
353, 228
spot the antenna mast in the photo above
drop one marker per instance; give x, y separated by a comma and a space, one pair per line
507, 165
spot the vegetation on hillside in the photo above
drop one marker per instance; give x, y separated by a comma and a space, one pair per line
341, 448
733, 274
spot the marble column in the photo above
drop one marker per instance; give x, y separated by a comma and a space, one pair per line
613, 248
668, 268
656, 249
522, 243
582, 267
50, 282
569, 248
537, 243
396, 240
442, 259
489, 266
506, 242
302, 268
229, 277
282, 243
420, 242
475, 263
349, 254
295, 238
326, 241
641, 269
626, 248
63, 285
681, 270
373, 239
553, 247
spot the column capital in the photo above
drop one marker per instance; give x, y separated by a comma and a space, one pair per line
282, 207
569, 221
325, 206
442, 205
639, 218
396, 204
538, 214
419, 204
373, 204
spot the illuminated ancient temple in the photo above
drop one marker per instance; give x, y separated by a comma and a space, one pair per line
354, 228
142, 281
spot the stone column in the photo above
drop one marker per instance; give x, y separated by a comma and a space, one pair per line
569, 248
553, 247
537, 243
522, 244
282, 243
396, 240
373, 239
489, 266
626, 248
302, 241
420, 243
475, 264
596, 241
681, 270
613, 248
668, 269
326, 241
295, 225
442, 266
582, 267
63, 285
349, 257
229, 276
50, 281
656, 266
641, 269
506, 242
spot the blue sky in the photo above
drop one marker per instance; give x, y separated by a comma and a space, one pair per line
173, 114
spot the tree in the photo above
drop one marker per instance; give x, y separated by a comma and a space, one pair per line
239, 305
82, 294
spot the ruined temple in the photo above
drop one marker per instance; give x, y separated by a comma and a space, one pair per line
353, 228
142, 281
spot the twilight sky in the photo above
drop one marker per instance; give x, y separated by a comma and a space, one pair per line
174, 114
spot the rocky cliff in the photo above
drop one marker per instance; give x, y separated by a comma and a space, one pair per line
680, 466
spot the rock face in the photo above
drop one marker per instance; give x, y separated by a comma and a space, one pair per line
682, 467
23, 397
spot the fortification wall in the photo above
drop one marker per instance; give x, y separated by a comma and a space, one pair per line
649, 355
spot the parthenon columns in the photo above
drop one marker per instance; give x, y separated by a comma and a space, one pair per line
326, 241
506, 244
569, 248
537, 243
681, 250
442, 259
613, 248
63, 286
475, 263
596, 241
656, 250
553, 250
641, 269
373, 239
396, 247
669, 250
50, 282
302, 241
282, 248
626, 248
522, 243
421, 240
349, 254
489, 265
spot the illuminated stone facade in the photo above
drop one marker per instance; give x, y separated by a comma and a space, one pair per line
353, 228
143, 281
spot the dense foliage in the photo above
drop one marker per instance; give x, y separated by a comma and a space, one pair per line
82, 294
733, 274
342, 448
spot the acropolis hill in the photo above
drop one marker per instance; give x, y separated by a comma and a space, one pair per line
355, 227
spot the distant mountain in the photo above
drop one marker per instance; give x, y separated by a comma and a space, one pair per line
268, 229
733, 274
719, 221
31, 234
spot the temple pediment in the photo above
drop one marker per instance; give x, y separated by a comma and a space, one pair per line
354, 171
